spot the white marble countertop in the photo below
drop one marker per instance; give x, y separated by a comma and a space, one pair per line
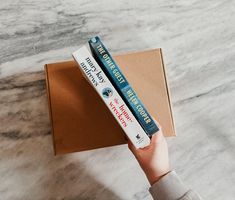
198, 42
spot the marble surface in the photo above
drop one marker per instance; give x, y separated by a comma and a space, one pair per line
198, 42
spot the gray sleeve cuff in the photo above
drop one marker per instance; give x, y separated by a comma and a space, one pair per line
169, 187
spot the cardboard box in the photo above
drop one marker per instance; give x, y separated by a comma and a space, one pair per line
81, 121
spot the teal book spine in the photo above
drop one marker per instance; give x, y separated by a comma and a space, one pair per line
120, 83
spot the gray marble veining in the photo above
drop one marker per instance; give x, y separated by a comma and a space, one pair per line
198, 42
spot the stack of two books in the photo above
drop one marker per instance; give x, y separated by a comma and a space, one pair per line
81, 122
105, 76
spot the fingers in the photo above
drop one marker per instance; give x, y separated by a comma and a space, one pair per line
135, 150
154, 139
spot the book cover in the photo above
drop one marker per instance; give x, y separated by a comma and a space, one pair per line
100, 82
113, 72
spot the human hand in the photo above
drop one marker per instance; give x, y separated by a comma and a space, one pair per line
153, 159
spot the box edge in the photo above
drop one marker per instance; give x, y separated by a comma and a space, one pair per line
168, 93
50, 108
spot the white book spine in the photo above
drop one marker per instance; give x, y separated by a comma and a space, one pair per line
97, 78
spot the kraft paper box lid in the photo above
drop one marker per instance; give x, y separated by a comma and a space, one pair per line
79, 118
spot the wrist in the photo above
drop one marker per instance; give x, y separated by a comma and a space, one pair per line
153, 178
